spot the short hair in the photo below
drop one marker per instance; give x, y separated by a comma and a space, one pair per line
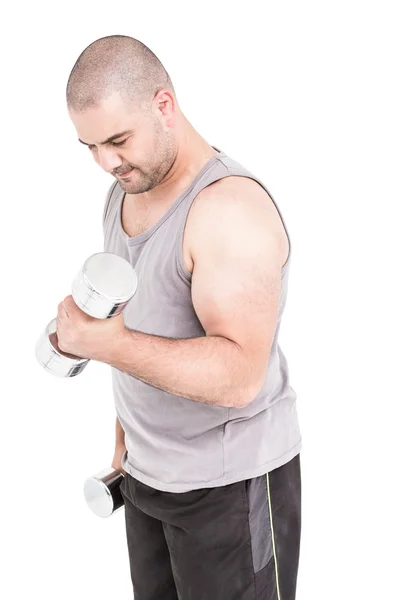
116, 63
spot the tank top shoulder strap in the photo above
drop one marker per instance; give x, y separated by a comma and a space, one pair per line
110, 195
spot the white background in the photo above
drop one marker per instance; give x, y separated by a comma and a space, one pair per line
305, 95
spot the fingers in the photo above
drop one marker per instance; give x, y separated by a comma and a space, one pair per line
62, 310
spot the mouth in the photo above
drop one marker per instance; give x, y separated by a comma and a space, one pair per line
125, 175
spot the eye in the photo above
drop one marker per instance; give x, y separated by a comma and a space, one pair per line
119, 143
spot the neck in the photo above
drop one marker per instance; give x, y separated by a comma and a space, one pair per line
192, 154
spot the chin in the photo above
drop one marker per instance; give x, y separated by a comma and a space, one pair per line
128, 188
132, 189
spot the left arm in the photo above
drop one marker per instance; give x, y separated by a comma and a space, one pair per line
208, 369
235, 292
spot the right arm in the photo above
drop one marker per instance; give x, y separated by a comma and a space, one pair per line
119, 434
119, 447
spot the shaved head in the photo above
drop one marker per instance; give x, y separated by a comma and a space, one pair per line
116, 63
123, 105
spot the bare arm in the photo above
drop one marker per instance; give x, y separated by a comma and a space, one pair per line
119, 434
212, 370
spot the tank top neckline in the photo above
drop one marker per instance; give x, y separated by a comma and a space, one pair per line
142, 237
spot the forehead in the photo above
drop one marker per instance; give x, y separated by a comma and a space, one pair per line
104, 120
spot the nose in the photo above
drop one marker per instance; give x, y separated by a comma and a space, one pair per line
108, 159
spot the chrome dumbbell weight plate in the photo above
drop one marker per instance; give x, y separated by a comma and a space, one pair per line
102, 289
53, 359
102, 492
104, 285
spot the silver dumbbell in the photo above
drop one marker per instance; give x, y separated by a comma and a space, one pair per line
102, 492
102, 289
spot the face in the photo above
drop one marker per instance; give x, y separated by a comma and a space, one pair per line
145, 151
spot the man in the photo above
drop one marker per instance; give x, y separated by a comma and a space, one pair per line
207, 433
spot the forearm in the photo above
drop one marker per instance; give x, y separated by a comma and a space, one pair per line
119, 434
209, 369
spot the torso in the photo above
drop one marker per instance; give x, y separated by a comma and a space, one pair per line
138, 220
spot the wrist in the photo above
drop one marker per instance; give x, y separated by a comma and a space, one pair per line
115, 348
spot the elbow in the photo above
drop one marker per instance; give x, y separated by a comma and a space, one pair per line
245, 390
246, 394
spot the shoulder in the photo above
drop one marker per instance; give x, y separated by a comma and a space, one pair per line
240, 193
238, 202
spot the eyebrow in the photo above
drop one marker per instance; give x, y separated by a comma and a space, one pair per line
110, 139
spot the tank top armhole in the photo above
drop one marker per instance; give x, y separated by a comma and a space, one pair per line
180, 265
183, 272
257, 180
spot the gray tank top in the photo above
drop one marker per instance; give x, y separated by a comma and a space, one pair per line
175, 444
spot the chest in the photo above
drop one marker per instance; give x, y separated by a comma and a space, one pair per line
136, 220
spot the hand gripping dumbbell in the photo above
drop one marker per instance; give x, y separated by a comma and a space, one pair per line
102, 492
102, 289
